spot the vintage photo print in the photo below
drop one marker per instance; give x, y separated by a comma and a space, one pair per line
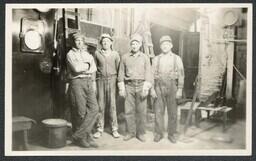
128, 79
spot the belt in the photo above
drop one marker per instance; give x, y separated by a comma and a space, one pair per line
157, 78
81, 77
136, 81
99, 77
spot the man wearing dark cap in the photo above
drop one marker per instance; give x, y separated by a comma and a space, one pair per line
134, 82
81, 70
168, 74
107, 62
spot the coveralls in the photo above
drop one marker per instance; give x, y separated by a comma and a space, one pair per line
106, 78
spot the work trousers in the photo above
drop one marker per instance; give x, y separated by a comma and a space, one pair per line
84, 107
107, 99
166, 97
135, 109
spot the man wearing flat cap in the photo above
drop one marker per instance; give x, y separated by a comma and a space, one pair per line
81, 70
134, 82
168, 75
107, 61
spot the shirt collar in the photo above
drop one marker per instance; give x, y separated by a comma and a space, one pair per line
136, 55
168, 54
78, 50
104, 52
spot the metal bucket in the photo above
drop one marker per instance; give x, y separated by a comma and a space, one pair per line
56, 132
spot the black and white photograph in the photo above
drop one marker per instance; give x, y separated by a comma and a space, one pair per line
128, 79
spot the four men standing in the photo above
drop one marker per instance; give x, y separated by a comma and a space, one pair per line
133, 76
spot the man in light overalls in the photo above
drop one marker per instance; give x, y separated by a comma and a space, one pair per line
107, 62
168, 74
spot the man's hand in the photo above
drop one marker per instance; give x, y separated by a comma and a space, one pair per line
144, 93
145, 89
87, 65
121, 88
94, 86
153, 93
179, 93
122, 93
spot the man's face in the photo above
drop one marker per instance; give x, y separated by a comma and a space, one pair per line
79, 43
106, 43
135, 45
166, 46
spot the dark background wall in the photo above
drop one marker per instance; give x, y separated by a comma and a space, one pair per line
31, 94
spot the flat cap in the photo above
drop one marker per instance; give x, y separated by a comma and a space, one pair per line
77, 35
165, 38
105, 35
136, 37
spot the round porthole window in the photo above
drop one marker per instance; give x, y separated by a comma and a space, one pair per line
33, 40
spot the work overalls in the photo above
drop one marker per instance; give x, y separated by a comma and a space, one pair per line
106, 81
166, 88
106, 87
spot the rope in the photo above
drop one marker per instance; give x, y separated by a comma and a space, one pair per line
241, 75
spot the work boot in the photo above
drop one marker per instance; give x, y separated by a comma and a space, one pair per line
128, 137
81, 142
91, 142
115, 134
158, 137
172, 138
97, 135
141, 138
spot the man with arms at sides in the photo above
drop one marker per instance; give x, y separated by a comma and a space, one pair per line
134, 82
168, 74
107, 61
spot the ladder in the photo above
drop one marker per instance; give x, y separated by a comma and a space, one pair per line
71, 20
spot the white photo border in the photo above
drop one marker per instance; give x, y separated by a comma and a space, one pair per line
8, 85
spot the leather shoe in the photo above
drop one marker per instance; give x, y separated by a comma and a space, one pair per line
158, 137
172, 138
141, 138
81, 142
91, 142
97, 135
115, 134
128, 137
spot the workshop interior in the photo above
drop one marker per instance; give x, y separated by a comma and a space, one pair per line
212, 43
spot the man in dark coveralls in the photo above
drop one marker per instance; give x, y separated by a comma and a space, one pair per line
168, 74
82, 92
134, 82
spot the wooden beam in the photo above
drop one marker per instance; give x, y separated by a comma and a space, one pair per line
230, 61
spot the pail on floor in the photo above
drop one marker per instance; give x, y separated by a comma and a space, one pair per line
56, 132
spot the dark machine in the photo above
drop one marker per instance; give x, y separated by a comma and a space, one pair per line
40, 42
